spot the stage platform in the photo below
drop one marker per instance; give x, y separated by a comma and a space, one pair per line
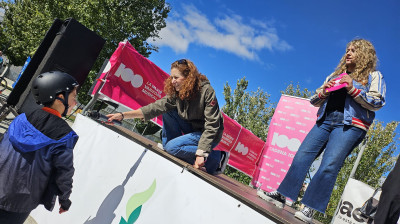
244, 194
239, 191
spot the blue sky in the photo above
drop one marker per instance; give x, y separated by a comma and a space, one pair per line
272, 43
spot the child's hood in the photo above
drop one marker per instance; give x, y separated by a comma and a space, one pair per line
25, 137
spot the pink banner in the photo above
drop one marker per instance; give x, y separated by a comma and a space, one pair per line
135, 81
231, 133
244, 147
293, 119
132, 79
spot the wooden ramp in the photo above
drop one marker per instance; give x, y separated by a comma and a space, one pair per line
239, 191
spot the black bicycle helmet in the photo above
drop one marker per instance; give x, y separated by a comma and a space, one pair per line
46, 87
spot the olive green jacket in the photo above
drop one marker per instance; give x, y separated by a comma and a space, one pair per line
202, 112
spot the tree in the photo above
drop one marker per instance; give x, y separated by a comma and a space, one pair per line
376, 161
291, 90
252, 110
26, 21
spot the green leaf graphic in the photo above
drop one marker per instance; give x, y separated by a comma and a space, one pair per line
139, 199
135, 215
122, 221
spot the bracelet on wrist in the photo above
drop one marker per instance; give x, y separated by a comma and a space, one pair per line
122, 116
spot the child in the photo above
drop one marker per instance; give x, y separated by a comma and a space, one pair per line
36, 158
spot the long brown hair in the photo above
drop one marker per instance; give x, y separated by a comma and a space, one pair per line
365, 60
191, 85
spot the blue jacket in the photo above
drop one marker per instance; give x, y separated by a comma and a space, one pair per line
361, 101
36, 162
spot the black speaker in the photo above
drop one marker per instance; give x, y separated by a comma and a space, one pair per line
73, 49
31, 68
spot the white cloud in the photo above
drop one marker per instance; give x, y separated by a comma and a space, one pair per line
228, 33
176, 36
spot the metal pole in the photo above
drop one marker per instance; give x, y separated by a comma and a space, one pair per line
362, 148
7, 67
96, 95
145, 128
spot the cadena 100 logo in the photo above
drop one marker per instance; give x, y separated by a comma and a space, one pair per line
127, 75
240, 148
283, 141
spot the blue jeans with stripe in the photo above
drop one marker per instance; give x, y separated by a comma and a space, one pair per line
337, 141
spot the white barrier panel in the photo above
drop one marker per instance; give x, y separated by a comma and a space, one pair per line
119, 181
354, 195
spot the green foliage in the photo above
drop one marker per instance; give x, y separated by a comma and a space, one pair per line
292, 90
26, 22
377, 158
146, 127
375, 163
237, 175
252, 110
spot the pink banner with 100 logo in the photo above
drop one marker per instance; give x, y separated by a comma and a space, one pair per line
244, 147
293, 119
135, 81
132, 80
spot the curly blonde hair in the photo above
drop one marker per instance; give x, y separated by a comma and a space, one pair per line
365, 61
191, 85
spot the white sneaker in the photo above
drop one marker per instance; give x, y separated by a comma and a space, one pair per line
305, 215
273, 197
222, 163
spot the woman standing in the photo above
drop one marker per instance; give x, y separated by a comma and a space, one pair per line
192, 121
343, 119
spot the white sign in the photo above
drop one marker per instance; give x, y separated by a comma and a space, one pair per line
354, 195
119, 181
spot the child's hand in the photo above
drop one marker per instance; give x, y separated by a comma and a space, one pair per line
61, 210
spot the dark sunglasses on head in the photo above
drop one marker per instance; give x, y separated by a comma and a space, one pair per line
182, 61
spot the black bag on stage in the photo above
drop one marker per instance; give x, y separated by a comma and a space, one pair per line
368, 209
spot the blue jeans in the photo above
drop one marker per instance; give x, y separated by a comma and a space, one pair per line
337, 141
180, 140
